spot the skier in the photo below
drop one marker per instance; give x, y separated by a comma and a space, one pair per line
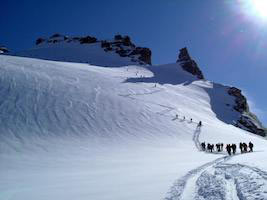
191, 120
241, 147
234, 148
221, 146
176, 116
200, 123
184, 117
228, 149
250, 144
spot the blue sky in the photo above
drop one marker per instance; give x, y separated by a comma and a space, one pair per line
226, 39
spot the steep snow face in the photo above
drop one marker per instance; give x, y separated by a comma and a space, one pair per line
79, 131
112, 53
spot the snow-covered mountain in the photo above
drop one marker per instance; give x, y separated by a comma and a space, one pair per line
119, 51
73, 130
122, 52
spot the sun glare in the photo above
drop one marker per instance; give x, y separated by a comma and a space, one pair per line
260, 7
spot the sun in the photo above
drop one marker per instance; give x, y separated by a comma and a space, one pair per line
260, 7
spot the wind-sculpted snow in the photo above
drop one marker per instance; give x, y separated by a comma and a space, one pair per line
77, 131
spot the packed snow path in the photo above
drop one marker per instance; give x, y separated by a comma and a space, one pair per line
218, 180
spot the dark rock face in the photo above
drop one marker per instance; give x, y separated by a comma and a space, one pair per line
241, 102
39, 41
125, 48
117, 37
145, 54
3, 49
247, 120
188, 64
88, 40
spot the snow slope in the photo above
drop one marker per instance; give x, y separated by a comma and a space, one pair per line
75, 52
79, 131
117, 52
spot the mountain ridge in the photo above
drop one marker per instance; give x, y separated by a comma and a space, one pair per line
64, 48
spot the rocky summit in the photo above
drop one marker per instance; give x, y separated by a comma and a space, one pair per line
121, 45
188, 64
247, 120
3, 49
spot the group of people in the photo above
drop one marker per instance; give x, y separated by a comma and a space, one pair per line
191, 120
211, 147
230, 148
177, 117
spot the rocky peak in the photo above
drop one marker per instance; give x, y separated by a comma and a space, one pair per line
3, 49
247, 120
56, 38
188, 64
240, 100
121, 45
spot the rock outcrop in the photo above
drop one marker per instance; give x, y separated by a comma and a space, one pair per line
122, 45
247, 120
125, 48
3, 49
188, 64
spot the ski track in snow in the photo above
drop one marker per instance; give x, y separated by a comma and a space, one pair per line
218, 180
167, 109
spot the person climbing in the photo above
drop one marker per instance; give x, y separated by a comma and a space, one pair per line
184, 117
211, 148
228, 149
221, 146
191, 120
218, 147
241, 147
176, 116
203, 145
234, 148
250, 145
245, 147
200, 123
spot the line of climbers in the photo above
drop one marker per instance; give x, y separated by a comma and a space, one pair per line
191, 120
230, 148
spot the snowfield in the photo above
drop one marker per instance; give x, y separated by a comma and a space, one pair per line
79, 131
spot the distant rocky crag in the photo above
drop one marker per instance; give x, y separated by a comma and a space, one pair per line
3, 49
122, 45
188, 64
246, 120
